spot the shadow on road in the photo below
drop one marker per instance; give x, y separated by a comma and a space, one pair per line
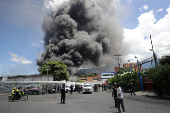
158, 97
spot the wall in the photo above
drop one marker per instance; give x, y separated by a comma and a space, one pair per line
30, 78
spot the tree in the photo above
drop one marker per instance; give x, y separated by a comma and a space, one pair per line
91, 75
57, 68
165, 59
79, 80
125, 79
81, 75
123, 70
160, 77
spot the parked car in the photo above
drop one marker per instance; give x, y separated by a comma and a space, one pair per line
87, 88
32, 90
67, 88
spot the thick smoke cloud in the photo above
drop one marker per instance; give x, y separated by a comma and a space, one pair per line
80, 31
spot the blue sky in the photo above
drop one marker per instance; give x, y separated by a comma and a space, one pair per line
21, 35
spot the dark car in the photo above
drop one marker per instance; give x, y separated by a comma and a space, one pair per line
32, 90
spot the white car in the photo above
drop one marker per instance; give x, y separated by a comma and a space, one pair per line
87, 88
67, 88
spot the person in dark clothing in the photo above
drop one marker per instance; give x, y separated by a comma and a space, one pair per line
114, 92
71, 89
131, 89
63, 94
81, 88
102, 87
58, 88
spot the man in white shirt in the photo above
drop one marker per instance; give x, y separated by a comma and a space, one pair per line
119, 98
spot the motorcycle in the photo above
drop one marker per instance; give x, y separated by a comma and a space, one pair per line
51, 91
21, 96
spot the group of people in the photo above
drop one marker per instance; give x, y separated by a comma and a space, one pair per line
104, 87
118, 96
16, 92
78, 88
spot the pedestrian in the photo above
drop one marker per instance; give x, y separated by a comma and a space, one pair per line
71, 89
102, 87
63, 94
114, 92
119, 98
81, 88
131, 89
58, 87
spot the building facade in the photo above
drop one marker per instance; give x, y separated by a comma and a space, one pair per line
134, 65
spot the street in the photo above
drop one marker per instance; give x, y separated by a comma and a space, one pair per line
97, 102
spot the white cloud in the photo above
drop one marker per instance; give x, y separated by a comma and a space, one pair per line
0, 66
159, 10
35, 45
148, 25
7, 73
26, 62
145, 7
16, 58
13, 55
42, 41
140, 9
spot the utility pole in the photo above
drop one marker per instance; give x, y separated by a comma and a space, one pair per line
154, 55
119, 59
130, 66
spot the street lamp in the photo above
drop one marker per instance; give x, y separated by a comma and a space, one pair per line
137, 63
130, 66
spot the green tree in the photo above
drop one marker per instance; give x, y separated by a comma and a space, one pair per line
165, 59
79, 80
125, 79
123, 70
57, 68
91, 75
160, 77
81, 75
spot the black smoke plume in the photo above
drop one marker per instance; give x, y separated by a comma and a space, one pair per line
80, 31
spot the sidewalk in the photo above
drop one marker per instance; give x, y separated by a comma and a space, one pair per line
145, 93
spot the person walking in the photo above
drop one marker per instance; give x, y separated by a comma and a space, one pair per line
71, 89
119, 98
63, 94
114, 92
131, 89
102, 87
81, 88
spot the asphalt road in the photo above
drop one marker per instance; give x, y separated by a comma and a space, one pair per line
97, 102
